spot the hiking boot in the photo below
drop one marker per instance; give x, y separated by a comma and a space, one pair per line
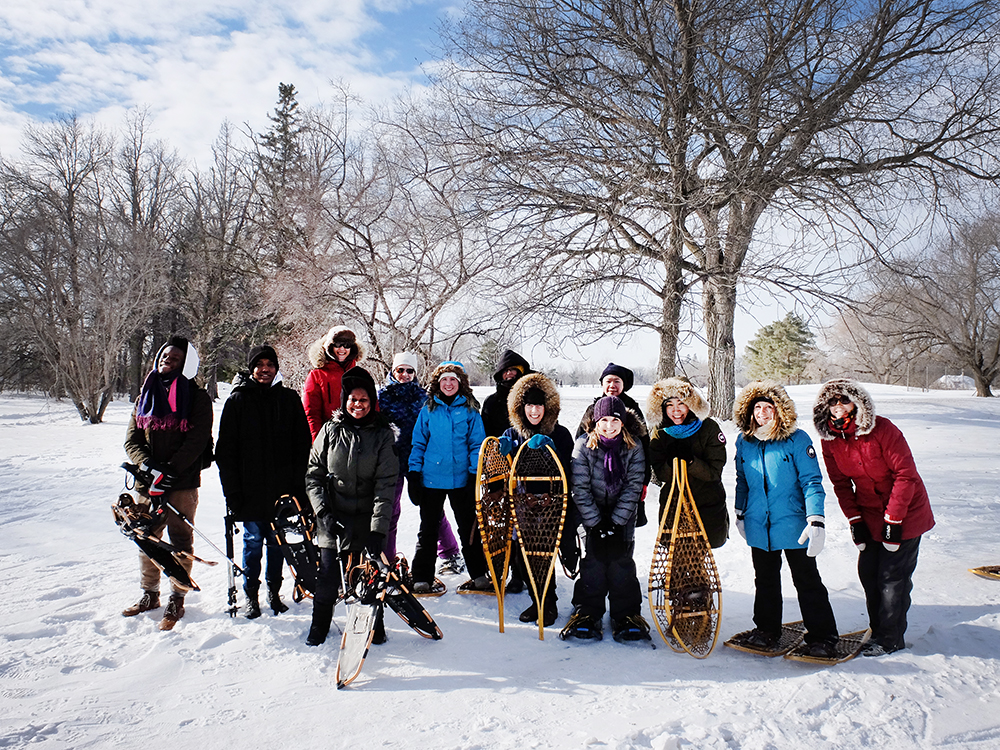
150, 600
530, 614
421, 587
173, 612
274, 601
762, 639
320, 627
630, 628
253, 606
874, 648
454, 565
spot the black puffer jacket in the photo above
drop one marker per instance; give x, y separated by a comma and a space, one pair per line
263, 448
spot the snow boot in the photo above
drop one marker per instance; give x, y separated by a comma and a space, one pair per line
630, 628
253, 605
583, 626
274, 600
150, 600
172, 612
531, 614
763, 639
378, 632
320, 628
454, 565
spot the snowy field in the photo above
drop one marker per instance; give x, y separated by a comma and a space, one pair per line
75, 674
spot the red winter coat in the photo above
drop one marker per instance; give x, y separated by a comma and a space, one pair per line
321, 393
874, 474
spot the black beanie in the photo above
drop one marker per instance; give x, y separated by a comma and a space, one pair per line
535, 396
627, 376
261, 352
358, 377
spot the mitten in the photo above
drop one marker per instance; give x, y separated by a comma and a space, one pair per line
892, 532
815, 533
540, 441
859, 533
741, 526
415, 486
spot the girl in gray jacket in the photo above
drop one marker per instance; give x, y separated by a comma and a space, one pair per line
608, 471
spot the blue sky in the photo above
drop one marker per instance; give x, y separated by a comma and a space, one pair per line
194, 64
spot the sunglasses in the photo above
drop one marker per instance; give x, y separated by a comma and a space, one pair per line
340, 345
844, 400
406, 371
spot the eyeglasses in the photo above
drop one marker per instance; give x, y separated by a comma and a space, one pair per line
838, 400
406, 371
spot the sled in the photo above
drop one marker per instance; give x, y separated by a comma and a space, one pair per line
848, 646
493, 514
538, 497
987, 571
685, 592
791, 636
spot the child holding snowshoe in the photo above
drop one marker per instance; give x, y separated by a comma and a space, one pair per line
443, 464
533, 406
882, 495
779, 508
679, 427
608, 469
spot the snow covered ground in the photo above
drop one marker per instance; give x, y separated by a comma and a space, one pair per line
75, 674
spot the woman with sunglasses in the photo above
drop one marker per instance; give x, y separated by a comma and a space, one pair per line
401, 399
885, 501
331, 356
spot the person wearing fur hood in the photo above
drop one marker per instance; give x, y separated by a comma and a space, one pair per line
350, 479
679, 427
780, 508
331, 355
533, 406
444, 459
884, 498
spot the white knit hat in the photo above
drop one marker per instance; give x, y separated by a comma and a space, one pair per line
405, 358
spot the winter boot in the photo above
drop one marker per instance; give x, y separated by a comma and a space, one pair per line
530, 614
580, 625
454, 565
321, 619
378, 632
253, 605
630, 628
172, 612
150, 600
274, 600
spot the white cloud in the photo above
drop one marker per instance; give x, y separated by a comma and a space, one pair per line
194, 65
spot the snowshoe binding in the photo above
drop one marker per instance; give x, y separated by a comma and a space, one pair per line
630, 628
582, 626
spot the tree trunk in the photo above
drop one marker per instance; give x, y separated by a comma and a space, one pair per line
673, 298
719, 297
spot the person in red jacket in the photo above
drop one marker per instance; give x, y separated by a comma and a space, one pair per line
882, 495
331, 356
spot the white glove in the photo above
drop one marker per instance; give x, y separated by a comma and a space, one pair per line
741, 527
815, 533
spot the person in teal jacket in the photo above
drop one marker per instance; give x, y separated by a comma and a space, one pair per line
443, 463
780, 508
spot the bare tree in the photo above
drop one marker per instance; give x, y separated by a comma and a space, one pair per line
75, 277
947, 301
638, 145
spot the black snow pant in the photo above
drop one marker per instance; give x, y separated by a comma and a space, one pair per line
610, 577
887, 578
463, 505
814, 601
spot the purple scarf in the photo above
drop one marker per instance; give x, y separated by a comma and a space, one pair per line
164, 403
614, 470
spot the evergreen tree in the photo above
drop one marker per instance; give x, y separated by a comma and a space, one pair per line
781, 350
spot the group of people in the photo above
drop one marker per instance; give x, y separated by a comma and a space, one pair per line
351, 448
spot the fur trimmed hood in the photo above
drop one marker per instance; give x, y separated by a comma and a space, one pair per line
515, 405
317, 352
464, 389
784, 408
864, 414
663, 391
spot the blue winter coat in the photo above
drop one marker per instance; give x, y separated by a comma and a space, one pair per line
446, 441
778, 484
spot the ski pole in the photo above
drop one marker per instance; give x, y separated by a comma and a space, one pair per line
230, 531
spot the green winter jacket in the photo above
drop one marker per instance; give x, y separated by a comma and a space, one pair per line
351, 479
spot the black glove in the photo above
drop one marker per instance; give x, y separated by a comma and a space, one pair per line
375, 544
415, 482
607, 538
683, 450
892, 532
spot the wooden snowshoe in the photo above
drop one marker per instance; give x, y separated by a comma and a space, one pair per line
539, 496
847, 647
493, 514
685, 592
987, 571
791, 636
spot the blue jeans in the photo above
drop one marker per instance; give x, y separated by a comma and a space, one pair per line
255, 535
